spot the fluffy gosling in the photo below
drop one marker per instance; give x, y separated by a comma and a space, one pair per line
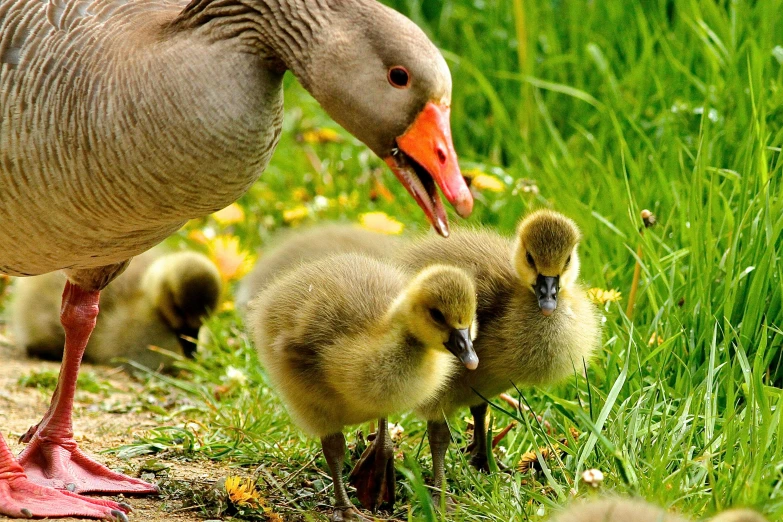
636, 510
160, 300
345, 340
536, 323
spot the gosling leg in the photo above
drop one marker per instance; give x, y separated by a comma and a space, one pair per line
334, 450
478, 448
440, 437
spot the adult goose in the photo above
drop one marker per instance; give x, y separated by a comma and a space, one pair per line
119, 121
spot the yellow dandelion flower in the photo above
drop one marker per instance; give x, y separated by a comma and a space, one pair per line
243, 492
198, 236
230, 215
600, 296
480, 180
487, 182
300, 194
321, 136
381, 222
295, 214
231, 259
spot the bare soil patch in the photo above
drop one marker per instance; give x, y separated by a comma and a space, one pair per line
100, 423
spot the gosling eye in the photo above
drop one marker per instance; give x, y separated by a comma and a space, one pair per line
568, 261
437, 316
530, 259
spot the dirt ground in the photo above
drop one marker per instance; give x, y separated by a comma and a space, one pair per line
95, 429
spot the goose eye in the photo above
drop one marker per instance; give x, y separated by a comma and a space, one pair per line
399, 77
437, 316
568, 261
530, 259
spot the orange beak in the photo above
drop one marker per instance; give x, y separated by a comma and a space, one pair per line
426, 158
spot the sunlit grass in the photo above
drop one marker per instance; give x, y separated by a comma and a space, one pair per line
604, 109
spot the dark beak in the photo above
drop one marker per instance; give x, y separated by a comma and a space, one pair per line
459, 344
546, 289
183, 336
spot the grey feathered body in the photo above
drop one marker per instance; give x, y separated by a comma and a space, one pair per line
516, 343
325, 335
113, 133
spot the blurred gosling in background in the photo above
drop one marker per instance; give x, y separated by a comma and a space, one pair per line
161, 300
637, 510
292, 247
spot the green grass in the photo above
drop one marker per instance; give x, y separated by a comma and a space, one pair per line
609, 107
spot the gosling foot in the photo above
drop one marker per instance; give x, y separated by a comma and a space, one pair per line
345, 514
481, 463
373, 476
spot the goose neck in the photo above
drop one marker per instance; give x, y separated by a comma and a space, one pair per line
283, 32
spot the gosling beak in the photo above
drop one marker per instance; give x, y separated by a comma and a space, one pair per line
188, 346
426, 158
459, 344
546, 289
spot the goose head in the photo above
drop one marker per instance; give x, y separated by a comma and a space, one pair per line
546, 257
383, 80
185, 288
440, 310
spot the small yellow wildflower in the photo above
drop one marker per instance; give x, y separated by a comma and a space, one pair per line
198, 236
243, 493
487, 182
655, 339
482, 181
230, 215
321, 136
231, 259
295, 214
381, 222
601, 296
300, 194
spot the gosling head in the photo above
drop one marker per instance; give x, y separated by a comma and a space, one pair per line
185, 288
739, 515
442, 311
545, 255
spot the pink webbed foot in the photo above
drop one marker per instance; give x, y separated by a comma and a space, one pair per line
52, 458
20, 498
60, 464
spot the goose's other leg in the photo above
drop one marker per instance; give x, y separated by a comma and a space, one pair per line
373, 476
21, 498
52, 457
334, 451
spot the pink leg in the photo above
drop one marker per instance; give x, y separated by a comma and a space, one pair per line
20, 498
52, 457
